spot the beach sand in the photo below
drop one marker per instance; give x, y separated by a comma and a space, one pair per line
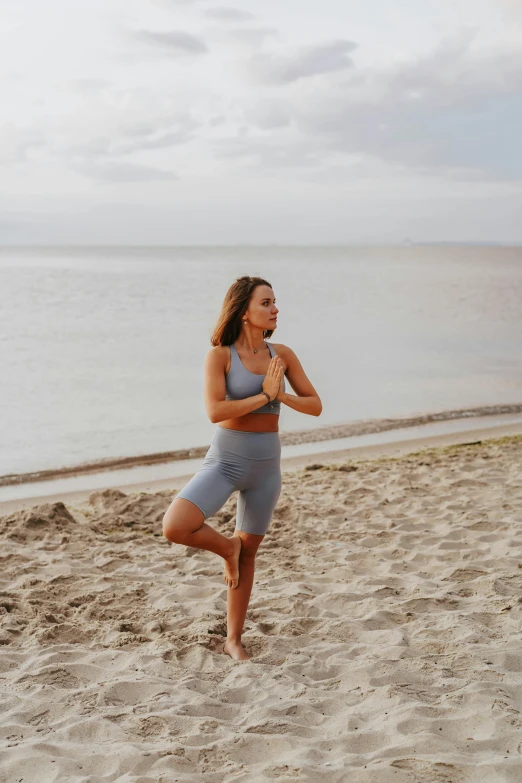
384, 629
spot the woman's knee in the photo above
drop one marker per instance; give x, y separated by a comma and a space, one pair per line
181, 519
249, 544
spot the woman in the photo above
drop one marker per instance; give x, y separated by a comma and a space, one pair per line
244, 389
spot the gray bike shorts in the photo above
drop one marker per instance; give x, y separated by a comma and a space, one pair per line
246, 461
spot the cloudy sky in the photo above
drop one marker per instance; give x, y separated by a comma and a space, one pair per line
305, 122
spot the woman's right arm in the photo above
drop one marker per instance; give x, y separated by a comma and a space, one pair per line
220, 409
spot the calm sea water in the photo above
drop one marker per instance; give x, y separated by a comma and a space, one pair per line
102, 349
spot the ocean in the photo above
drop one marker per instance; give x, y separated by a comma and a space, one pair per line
102, 348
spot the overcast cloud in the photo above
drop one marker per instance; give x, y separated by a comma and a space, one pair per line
188, 122
172, 42
226, 14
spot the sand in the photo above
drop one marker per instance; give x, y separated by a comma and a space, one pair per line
384, 629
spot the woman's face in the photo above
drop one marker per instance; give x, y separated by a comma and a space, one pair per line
262, 311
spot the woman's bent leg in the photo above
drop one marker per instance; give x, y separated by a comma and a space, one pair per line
183, 523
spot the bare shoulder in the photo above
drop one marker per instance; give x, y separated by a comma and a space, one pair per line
218, 356
219, 350
288, 357
282, 350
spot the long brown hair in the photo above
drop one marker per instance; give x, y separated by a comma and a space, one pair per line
235, 304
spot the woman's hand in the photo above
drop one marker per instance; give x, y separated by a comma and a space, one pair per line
274, 377
281, 391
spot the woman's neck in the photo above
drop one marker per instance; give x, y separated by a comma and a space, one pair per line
251, 344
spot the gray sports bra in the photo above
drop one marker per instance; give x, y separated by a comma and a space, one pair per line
241, 383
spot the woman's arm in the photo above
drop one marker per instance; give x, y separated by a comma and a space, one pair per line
218, 408
307, 399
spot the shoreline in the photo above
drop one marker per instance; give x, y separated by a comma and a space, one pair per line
320, 434
376, 450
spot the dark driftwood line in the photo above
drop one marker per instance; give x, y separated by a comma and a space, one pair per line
331, 432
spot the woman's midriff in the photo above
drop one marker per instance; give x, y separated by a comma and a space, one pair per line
253, 422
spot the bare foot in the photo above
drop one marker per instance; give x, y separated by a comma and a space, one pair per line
235, 650
231, 575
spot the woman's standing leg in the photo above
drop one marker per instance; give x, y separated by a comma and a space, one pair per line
238, 600
255, 507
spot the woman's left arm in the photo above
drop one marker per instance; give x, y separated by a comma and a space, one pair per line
306, 399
